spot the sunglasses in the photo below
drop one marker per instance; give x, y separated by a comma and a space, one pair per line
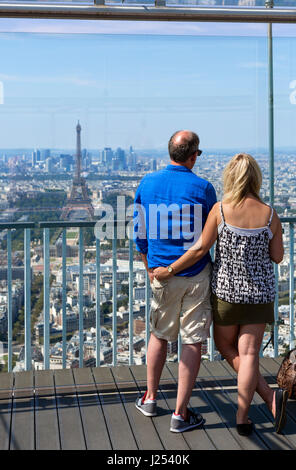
199, 152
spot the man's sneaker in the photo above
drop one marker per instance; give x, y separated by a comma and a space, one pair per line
193, 420
148, 408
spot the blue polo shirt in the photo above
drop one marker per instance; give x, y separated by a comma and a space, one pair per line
166, 215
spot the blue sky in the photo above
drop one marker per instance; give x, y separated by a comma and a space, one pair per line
135, 83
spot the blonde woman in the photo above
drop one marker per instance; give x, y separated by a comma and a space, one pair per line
249, 238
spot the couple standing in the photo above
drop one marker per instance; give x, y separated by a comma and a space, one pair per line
238, 290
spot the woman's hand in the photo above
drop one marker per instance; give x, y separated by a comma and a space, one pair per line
162, 274
151, 274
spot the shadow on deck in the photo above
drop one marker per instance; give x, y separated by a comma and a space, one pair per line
76, 409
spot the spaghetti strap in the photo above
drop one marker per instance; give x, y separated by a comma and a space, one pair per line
270, 218
221, 212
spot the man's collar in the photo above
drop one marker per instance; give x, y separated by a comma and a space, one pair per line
178, 168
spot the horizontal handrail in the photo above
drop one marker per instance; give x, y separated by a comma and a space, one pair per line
16, 225
288, 220
80, 223
67, 224
148, 13
59, 224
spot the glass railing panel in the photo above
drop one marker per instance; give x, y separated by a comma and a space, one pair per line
284, 73
130, 85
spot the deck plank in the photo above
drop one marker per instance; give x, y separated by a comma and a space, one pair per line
46, 418
70, 424
117, 422
94, 409
269, 367
5, 420
141, 425
214, 426
259, 413
44, 383
171, 441
278, 360
196, 439
226, 408
6, 387
276, 440
94, 425
22, 423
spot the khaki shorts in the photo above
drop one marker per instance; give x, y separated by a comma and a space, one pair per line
182, 304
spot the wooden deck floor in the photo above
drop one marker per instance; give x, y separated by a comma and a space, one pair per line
94, 409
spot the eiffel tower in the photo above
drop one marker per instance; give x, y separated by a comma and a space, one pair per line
79, 200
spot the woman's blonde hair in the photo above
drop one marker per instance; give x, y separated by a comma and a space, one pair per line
241, 176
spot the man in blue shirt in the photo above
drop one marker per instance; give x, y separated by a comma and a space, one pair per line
171, 207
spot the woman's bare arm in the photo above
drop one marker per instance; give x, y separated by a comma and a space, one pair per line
276, 248
197, 251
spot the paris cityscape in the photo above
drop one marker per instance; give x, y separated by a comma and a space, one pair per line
56, 184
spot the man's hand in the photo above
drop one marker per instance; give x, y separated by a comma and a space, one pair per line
161, 273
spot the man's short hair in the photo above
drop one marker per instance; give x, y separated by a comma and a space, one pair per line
182, 151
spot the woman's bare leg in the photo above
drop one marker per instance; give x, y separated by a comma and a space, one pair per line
249, 342
226, 341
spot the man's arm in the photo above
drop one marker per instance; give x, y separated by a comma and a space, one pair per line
140, 236
211, 197
140, 232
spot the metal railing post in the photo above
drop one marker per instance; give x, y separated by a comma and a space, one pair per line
98, 303
64, 298
212, 343
114, 294
291, 287
269, 4
147, 312
179, 347
27, 280
131, 287
276, 314
46, 290
80, 297
9, 301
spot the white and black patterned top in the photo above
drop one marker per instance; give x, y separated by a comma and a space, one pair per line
243, 270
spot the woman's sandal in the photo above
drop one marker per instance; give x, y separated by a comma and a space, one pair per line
281, 398
245, 429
